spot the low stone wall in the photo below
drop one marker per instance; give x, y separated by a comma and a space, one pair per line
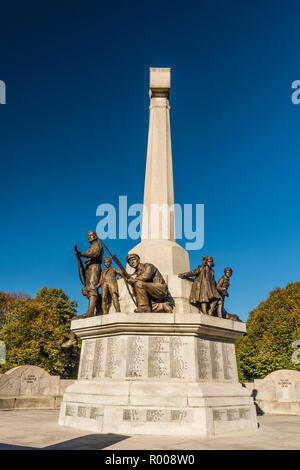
277, 393
27, 387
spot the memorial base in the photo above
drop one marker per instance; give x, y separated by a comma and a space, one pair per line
158, 374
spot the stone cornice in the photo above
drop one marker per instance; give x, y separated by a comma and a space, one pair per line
198, 325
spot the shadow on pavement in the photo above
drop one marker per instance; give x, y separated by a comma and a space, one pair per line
15, 447
89, 442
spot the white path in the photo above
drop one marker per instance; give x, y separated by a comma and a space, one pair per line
39, 429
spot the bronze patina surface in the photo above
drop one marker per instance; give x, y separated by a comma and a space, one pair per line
109, 286
150, 288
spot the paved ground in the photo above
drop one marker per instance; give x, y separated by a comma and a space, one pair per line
38, 429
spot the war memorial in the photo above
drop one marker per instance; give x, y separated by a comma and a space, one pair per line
160, 359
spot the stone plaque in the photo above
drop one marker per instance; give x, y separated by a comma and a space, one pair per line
83, 412
114, 357
180, 415
178, 357
96, 412
159, 356
219, 415
169, 415
87, 360
216, 360
284, 389
71, 410
80, 411
157, 415
203, 359
284, 383
133, 415
137, 356
227, 362
99, 358
30, 383
233, 414
244, 413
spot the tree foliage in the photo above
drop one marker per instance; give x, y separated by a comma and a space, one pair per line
271, 330
34, 329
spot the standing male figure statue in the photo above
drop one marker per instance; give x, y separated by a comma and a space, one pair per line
204, 293
108, 283
90, 278
151, 291
93, 260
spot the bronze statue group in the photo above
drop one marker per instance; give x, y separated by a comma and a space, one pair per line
146, 285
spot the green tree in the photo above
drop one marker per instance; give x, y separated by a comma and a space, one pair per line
271, 330
34, 329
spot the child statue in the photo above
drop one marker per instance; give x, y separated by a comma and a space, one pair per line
222, 287
108, 282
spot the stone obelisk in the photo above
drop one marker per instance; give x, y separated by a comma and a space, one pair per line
158, 244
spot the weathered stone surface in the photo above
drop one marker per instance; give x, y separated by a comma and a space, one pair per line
99, 358
7, 403
157, 357
181, 324
278, 392
146, 373
31, 387
28, 381
137, 356
41, 402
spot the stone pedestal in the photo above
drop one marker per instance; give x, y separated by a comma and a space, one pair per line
147, 373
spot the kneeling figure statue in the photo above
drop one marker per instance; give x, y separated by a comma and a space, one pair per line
150, 288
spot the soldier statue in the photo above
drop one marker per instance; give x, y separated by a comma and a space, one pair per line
204, 293
90, 278
108, 283
150, 289
91, 273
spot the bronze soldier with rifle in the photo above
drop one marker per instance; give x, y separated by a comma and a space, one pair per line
90, 276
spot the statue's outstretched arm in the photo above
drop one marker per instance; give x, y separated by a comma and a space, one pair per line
189, 274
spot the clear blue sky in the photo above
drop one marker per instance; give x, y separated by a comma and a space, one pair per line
73, 133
